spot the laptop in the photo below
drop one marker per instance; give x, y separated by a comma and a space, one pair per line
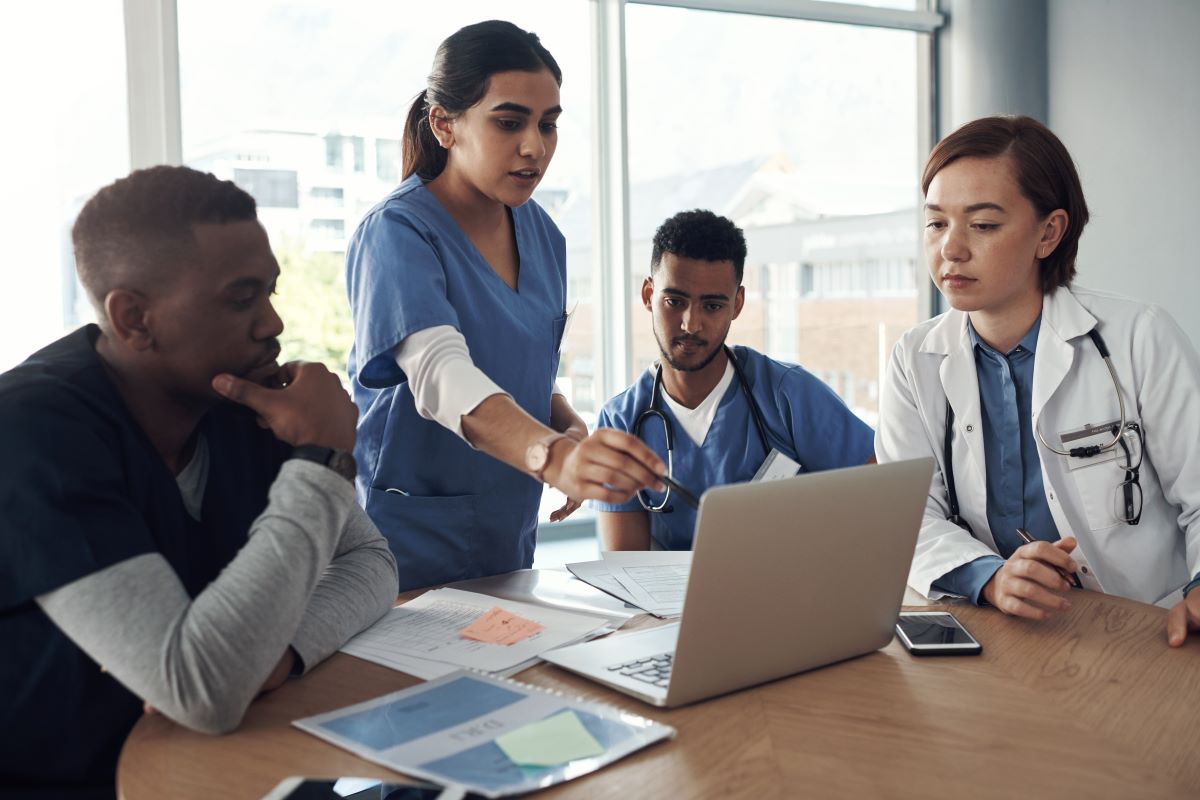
787, 576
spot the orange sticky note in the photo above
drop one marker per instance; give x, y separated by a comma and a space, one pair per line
498, 626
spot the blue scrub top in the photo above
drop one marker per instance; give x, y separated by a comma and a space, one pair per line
805, 420
453, 512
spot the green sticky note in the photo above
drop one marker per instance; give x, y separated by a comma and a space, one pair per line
553, 741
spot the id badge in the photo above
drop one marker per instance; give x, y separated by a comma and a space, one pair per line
1091, 434
776, 467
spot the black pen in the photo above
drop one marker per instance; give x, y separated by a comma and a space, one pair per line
1069, 577
683, 493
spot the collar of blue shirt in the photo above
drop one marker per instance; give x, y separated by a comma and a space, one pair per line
1028, 341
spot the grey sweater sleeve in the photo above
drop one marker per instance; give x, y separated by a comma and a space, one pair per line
200, 662
358, 587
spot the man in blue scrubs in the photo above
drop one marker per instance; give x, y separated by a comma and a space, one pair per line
160, 546
694, 293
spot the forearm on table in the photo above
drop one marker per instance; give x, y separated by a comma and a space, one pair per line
200, 662
358, 587
969, 579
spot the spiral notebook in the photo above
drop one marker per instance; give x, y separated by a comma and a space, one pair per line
488, 735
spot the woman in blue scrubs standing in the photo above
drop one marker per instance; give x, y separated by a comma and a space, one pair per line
457, 284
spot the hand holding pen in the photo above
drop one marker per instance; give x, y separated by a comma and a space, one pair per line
1070, 577
1026, 584
678, 490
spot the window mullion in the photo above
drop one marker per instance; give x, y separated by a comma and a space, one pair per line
610, 209
152, 72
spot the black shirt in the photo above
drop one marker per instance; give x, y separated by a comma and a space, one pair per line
82, 489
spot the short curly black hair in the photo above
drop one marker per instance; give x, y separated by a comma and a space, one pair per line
701, 235
138, 229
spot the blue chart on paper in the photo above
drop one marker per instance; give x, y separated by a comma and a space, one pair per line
387, 726
487, 765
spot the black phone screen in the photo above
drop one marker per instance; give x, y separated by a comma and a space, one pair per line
935, 628
360, 789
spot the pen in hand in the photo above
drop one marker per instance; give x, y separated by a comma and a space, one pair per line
1069, 577
683, 493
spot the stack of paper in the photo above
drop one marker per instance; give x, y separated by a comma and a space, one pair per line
446, 629
654, 580
485, 735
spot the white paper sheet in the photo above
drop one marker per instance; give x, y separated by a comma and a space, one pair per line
656, 584
423, 633
654, 580
598, 574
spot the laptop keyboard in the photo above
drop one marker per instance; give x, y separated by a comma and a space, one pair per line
655, 670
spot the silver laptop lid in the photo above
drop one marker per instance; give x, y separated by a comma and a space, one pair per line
794, 574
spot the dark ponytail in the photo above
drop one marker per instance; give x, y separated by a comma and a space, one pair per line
462, 68
422, 153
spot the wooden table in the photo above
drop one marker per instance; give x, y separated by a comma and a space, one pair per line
1092, 704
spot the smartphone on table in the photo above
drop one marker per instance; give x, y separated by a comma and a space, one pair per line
298, 788
929, 633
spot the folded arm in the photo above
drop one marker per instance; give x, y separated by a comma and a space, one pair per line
358, 587
200, 662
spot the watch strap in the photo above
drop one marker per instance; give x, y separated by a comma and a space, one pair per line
340, 461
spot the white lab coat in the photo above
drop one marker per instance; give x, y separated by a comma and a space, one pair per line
1159, 373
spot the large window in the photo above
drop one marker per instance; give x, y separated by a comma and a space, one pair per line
303, 105
805, 132
64, 135
812, 153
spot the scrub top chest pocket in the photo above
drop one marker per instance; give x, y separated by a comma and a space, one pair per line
558, 329
1108, 482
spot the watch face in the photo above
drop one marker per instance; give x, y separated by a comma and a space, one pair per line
536, 456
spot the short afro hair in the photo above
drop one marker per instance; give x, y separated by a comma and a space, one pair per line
701, 235
136, 230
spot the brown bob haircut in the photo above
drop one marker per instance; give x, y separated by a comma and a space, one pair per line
1045, 174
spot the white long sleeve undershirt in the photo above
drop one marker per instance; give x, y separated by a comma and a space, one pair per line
444, 381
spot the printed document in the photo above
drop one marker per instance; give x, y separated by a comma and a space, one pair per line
429, 629
653, 580
656, 579
484, 734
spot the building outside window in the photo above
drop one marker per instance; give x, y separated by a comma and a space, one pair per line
813, 155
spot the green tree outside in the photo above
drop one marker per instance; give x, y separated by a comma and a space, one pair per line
316, 314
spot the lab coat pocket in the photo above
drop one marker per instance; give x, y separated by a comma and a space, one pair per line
1097, 478
430, 536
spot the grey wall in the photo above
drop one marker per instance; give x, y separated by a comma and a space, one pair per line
991, 60
1124, 97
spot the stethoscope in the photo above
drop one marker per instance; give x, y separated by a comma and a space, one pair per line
1074, 452
654, 412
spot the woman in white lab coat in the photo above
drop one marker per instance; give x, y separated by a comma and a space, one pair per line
1002, 388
